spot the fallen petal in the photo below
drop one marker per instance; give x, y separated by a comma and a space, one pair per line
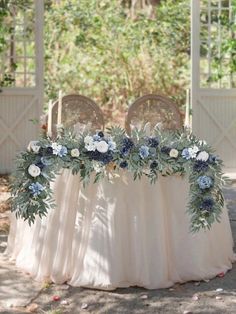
144, 296
84, 306
195, 298
221, 275
64, 302
218, 297
219, 290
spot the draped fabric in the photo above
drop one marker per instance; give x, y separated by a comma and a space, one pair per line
120, 233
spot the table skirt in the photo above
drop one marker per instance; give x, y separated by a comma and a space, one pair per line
120, 233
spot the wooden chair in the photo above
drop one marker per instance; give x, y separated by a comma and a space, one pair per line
154, 109
78, 109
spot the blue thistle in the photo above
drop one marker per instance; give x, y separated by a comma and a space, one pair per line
207, 204
153, 165
153, 141
165, 150
200, 165
124, 164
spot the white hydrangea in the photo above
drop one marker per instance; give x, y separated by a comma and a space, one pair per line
75, 152
56, 148
102, 146
174, 153
33, 147
112, 145
203, 156
193, 151
91, 146
88, 140
34, 170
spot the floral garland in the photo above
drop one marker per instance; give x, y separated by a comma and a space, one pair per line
163, 153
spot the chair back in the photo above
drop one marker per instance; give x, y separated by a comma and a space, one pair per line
78, 110
155, 110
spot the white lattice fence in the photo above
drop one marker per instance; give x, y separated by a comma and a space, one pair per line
22, 61
213, 81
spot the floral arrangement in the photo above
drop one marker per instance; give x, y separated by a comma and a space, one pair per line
162, 153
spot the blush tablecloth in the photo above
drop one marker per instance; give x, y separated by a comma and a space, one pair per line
120, 233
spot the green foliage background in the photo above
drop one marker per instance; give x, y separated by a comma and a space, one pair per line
94, 48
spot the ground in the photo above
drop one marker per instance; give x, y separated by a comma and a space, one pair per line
20, 294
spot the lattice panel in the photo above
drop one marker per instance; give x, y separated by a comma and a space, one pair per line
16, 127
18, 55
217, 125
217, 29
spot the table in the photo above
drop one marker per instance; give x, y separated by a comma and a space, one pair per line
120, 233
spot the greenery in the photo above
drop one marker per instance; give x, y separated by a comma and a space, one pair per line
94, 48
101, 155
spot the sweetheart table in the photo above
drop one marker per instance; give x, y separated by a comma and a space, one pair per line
120, 233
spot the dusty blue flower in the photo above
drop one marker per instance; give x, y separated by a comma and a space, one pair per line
213, 159
36, 188
45, 161
185, 154
62, 152
144, 151
204, 182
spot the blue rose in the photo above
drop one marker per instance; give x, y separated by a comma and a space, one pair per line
144, 151
62, 152
36, 188
204, 182
185, 154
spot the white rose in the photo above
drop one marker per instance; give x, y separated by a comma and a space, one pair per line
203, 156
34, 170
174, 153
88, 139
33, 147
102, 146
75, 152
